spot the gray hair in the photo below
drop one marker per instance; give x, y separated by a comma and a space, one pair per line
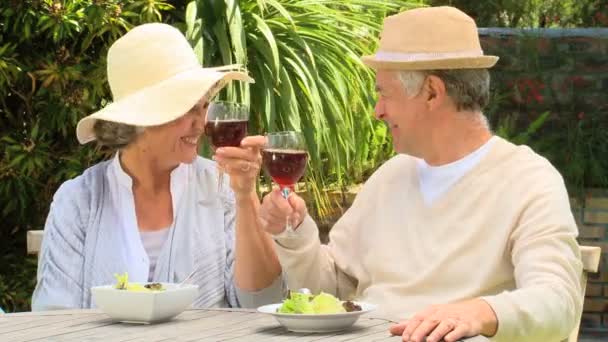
468, 88
118, 135
115, 135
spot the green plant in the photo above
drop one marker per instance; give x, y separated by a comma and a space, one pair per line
509, 128
578, 151
524, 13
16, 282
305, 58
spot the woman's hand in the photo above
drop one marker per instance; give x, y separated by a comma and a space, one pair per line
242, 163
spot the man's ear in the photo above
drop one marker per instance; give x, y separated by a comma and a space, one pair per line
434, 91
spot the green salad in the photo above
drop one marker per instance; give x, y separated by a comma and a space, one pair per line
323, 303
122, 283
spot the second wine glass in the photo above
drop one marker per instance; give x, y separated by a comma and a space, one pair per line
226, 125
284, 158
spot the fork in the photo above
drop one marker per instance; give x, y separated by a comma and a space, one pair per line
183, 282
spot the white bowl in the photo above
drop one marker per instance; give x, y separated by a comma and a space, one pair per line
144, 307
310, 323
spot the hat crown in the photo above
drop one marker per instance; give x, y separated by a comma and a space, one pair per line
146, 56
430, 30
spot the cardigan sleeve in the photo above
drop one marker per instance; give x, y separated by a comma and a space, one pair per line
61, 261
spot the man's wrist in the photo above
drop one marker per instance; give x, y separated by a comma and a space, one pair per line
489, 321
290, 233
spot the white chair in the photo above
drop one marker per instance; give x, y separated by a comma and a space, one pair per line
590, 257
34, 241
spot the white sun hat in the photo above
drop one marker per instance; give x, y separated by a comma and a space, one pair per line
155, 78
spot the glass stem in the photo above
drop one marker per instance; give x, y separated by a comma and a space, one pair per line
288, 226
220, 180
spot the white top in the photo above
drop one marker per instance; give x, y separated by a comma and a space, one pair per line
436, 180
124, 211
153, 242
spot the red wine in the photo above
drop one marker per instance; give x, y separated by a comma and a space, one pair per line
285, 167
226, 132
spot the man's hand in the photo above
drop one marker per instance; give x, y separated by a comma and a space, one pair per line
449, 322
276, 209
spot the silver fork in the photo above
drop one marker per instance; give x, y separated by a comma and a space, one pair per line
183, 282
302, 290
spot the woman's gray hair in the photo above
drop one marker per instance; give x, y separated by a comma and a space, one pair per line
118, 135
115, 135
468, 88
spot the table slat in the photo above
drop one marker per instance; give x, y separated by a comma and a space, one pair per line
77, 323
122, 330
222, 320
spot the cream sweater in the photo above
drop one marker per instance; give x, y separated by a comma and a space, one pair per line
503, 232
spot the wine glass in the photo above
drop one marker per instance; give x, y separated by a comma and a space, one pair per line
284, 158
226, 125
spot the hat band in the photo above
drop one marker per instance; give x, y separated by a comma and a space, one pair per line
426, 56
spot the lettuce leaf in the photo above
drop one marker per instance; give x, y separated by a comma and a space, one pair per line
122, 283
297, 303
324, 303
300, 303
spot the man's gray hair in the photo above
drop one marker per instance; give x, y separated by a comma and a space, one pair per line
468, 88
115, 135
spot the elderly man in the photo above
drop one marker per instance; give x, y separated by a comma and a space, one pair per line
462, 233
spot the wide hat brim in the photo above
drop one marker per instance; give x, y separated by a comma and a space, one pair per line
478, 62
161, 103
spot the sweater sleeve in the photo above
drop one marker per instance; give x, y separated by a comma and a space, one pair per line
332, 268
546, 259
307, 263
60, 265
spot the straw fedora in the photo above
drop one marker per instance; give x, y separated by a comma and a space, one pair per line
155, 78
430, 38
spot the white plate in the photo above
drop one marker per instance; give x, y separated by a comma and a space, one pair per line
144, 307
309, 323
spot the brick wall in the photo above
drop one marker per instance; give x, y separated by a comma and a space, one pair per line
563, 70
566, 72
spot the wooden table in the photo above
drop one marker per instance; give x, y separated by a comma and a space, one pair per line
192, 325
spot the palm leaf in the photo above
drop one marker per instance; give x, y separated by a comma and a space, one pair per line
305, 57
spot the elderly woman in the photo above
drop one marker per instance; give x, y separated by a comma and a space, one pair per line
153, 210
